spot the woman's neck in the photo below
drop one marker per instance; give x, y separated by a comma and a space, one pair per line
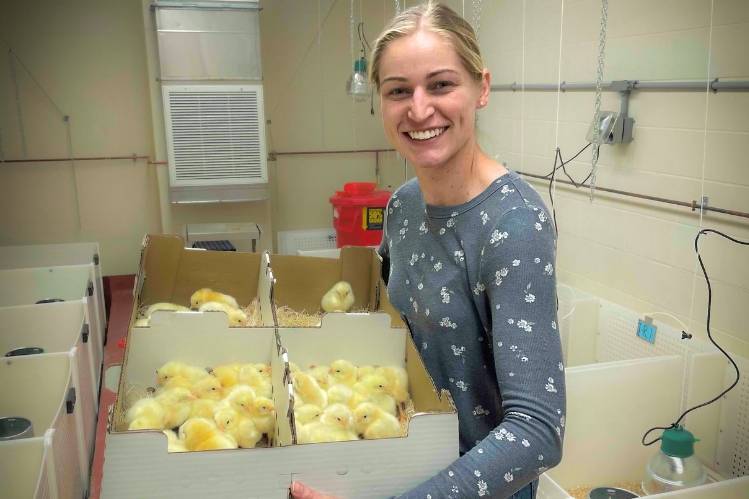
462, 178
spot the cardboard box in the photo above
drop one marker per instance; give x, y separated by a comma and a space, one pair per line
302, 281
137, 463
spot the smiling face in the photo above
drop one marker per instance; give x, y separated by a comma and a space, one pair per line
428, 99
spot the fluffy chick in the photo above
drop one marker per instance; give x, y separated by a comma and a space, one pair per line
309, 390
338, 418
237, 318
374, 388
227, 375
241, 429
250, 376
174, 444
206, 295
397, 378
177, 404
240, 399
164, 306
293, 368
218, 441
307, 414
202, 408
146, 413
366, 371
321, 375
339, 298
208, 388
263, 415
342, 372
340, 394
372, 422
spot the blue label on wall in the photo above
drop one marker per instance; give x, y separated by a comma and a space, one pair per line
646, 331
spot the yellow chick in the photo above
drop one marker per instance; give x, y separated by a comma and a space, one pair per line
309, 390
397, 378
146, 413
250, 376
209, 388
342, 372
340, 394
205, 295
263, 415
374, 388
240, 399
177, 403
314, 433
307, 414
339, 298
164, 306
242, 429
338, 418
202, 408
218, 441
321, 375
174, 444
264, 370
192, 431
141, 323
227, 375
365, 371
237, 318
372, 422
293, 368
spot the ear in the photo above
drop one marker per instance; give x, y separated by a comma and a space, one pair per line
484, 89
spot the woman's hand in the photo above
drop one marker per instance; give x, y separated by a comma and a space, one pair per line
300, 491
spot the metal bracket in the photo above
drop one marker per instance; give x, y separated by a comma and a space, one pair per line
84, 333
715, 90
648, 320
561, 86
272, 156
96, 258
513, 85
90, 288
70, 401
703, 204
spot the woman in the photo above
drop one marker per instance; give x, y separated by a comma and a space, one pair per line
469, 255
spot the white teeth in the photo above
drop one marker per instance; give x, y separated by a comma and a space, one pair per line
426, 134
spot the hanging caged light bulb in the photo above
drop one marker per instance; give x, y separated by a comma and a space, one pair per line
357, 86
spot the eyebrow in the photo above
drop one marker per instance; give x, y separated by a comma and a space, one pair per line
430, 75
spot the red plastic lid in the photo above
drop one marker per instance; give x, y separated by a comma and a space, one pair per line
121, 343
362, 194
359, 188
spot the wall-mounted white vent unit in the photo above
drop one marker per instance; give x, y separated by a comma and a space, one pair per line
215, 142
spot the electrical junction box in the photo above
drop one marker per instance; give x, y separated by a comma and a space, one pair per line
614, 129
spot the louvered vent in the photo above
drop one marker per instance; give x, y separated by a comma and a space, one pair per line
215, 135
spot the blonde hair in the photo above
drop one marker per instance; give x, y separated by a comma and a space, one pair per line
434, 18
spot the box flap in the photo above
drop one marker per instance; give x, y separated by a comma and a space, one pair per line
159, 261
301, 281
357, 270
422, 387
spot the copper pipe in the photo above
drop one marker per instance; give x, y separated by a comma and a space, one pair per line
694, 205
72, 159
333, 152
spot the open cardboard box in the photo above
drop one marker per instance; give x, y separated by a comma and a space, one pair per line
302, 281
137, 463
169, 272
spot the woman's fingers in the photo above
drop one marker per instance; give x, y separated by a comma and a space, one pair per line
300, 491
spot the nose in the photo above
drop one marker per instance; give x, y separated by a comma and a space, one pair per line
421, 106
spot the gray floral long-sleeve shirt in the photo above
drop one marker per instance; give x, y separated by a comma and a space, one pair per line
476, 285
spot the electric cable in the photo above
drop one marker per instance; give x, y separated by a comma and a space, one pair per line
709, 335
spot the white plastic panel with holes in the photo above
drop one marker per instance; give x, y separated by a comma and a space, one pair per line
42, 485
732, 456
65, 449
315, 239
618, 340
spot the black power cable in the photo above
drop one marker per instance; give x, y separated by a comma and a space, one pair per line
709, 335
558, 156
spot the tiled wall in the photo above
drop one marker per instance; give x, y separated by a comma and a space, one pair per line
687, 145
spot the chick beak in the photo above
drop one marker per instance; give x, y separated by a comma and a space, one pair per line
192, 397
330, 371
344, 423
357, 419
221, 390
221, 427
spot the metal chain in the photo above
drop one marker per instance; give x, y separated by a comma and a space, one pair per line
319, 53
353, 99
599, 85
397, 7
477, 18
11, 59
